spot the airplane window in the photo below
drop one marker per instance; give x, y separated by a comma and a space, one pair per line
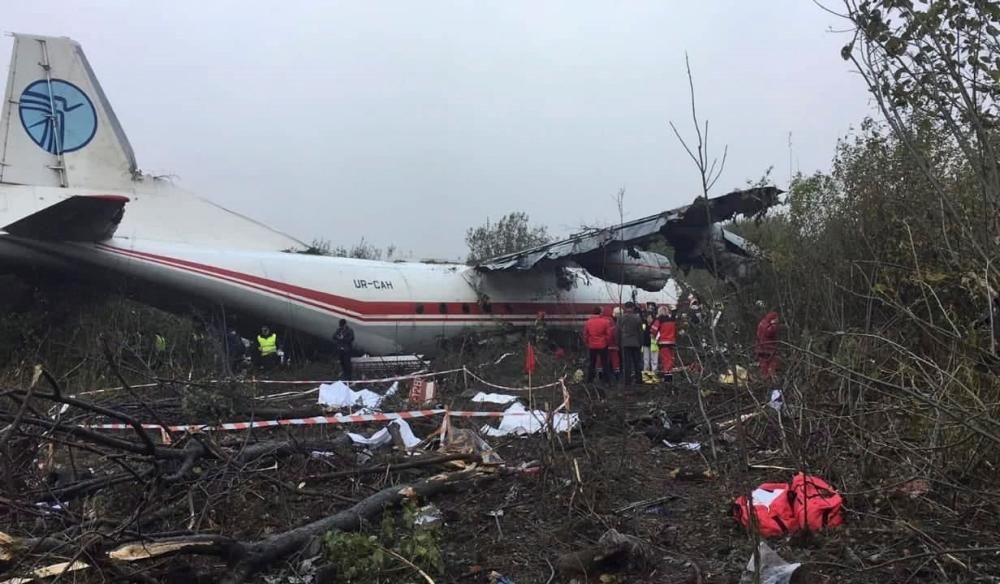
443, 308
420, 309
465, 308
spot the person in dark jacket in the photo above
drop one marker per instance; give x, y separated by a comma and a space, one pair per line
630, 341
343, 340
235, 350
597, 336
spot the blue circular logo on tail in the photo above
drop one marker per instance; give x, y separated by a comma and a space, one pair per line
57, 115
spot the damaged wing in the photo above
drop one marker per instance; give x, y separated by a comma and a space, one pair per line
615, 253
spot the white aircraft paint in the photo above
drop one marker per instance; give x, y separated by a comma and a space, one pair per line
60, 138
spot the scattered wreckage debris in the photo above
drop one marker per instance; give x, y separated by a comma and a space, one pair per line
613, 552
773, 569
690, 230
178, 456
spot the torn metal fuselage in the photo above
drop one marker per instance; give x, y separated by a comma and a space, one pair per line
616, 253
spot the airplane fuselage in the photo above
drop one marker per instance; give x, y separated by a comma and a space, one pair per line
393, 306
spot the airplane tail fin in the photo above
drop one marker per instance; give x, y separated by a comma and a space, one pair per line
57, 127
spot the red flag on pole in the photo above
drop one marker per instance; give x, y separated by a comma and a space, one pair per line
529, 359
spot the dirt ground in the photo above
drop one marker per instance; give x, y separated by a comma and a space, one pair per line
613, 472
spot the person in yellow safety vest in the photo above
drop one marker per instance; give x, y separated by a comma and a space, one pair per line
650, 351
267, 348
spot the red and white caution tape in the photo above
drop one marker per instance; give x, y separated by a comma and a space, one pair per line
494, 385
312, 421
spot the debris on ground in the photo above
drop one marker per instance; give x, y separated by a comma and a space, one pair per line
517, 419
773, 569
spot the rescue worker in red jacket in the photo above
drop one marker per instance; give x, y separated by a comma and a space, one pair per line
665, 332
767, 345
597, 336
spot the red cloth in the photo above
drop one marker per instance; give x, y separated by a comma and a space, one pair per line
666, 359
616, 359
773, 520
767, 345
807, 503
597, 332
529, 359
665, 331
768, 365
767, 334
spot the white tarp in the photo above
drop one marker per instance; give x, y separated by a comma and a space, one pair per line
493, 398
777, 400
340, 395
773, 569
383, 437
693, 446
518, 420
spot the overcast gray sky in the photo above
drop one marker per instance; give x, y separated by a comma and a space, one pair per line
406, 122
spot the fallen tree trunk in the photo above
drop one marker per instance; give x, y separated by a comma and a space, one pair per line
259, 555
247, 559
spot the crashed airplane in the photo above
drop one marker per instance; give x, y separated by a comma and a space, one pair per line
73, 200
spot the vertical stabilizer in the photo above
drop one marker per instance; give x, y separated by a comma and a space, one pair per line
57, 127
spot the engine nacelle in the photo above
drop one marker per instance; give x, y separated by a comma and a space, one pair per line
629, 267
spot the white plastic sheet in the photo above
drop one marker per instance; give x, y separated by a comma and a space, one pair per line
773, 569
693, 446
493, 398
383, 437
518, 420
777, 400
764, 497
339, 395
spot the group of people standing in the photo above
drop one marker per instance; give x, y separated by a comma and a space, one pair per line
268, 352
638, 345
634, 346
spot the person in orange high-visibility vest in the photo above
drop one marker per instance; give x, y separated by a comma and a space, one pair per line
665, 333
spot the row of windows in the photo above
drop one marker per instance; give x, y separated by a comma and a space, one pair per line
466, 309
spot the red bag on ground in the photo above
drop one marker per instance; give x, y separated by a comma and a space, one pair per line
808, 503
772, 507
816, 504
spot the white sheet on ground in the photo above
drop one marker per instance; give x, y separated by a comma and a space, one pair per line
493, 398
339, 395
518, 420
685, 445
773, 569
383, 437
777, 400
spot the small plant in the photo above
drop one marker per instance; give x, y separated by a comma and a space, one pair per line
361, 557
357, 556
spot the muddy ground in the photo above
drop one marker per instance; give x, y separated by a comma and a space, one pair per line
613, 472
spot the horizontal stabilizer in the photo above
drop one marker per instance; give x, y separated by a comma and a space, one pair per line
78, 218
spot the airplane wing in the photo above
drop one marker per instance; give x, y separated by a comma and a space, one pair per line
78, 218
614, 253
